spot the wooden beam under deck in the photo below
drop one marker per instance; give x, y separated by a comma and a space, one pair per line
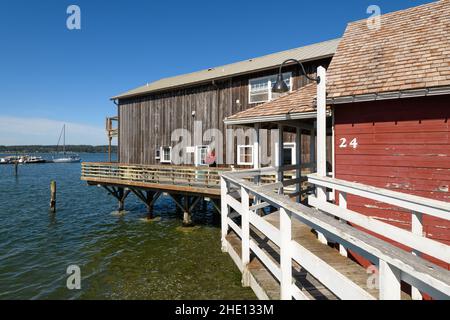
176, 189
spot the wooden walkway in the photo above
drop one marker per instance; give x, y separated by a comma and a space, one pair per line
311, 287
300, 252
194, 181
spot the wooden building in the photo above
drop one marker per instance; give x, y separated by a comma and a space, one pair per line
147, 116
388, 92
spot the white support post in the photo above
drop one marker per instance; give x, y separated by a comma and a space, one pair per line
256, 148
298, 162
343, 204
285, 255
389, 281
245, 226
312, 147
321, 123
280, 158
224, 212
256, 152
417, 229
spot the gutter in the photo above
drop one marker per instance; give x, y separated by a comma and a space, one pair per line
281, 117
402, 94
206, 81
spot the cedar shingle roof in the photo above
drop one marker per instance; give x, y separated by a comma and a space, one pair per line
298, 101
411, 50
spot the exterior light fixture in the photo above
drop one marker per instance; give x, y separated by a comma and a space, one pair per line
280, 86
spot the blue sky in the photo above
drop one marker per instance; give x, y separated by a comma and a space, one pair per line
50, 75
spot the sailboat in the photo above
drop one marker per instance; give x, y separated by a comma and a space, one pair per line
65, 158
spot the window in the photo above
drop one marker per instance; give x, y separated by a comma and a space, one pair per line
289, 154
201, 153
260, 89
158, 153
166, 154
245, 155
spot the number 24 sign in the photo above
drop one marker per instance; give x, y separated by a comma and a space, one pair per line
344, 143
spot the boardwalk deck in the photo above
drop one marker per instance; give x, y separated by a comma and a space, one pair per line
267, 286
300, 251
194, 181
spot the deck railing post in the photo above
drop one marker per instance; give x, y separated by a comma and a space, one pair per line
298, 162
224, 212
321, 124
389, 282
245, 226
280, 158
285, 255
343, 204
417, 229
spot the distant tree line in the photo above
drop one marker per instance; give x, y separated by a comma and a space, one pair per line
51, 149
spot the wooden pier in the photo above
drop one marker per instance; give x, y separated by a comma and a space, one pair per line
290, 250
185, 185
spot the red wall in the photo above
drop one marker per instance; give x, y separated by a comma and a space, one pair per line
403, 145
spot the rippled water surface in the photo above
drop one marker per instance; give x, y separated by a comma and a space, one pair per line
120, 256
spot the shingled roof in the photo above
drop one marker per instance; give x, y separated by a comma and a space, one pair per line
291, 106
410, 51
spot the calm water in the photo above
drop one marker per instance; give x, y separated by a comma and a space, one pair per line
120, 256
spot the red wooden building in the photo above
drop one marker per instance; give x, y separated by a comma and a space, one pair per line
388, 108
390, 92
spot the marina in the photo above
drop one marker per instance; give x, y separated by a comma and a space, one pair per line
27, 159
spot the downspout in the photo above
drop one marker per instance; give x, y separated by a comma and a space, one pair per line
116, 102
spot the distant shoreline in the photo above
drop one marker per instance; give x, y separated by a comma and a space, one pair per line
54, 149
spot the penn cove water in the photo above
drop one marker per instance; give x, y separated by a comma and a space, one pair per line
120, 255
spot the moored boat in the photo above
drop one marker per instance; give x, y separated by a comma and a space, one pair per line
32, 159
65, 158
68, 159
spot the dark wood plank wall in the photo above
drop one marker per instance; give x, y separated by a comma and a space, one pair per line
147, 122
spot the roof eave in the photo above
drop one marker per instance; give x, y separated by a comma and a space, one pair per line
274, 118
192, 84
401, 94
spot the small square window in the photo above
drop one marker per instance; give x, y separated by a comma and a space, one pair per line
245, 155
260, 89
166, 154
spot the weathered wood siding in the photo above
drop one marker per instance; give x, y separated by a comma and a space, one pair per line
147, 122
403, 145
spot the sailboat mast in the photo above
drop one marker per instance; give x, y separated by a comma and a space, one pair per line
64, 140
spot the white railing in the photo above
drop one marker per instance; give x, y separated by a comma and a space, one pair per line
416, 206
394, 264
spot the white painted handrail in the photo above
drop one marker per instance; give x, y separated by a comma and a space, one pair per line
428, 206
395, 265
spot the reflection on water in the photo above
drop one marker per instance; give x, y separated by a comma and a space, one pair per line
120, 256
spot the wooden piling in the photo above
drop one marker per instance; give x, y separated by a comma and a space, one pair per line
187, 220
16, 168
149, 203
53, 196
121, 198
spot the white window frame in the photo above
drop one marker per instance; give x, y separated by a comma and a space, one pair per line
158, 153
162, 155
288, 145
197, 160
239, 162
270, 85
